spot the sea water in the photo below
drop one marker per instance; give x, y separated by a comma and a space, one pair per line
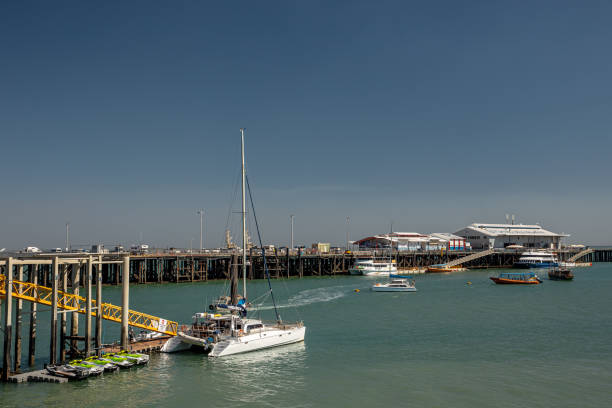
460, 341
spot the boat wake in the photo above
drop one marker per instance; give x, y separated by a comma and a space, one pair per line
310, 296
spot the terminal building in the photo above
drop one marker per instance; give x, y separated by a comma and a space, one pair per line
489, 236
413, 241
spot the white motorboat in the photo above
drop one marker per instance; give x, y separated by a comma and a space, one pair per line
371, 267
229, 331
396, 285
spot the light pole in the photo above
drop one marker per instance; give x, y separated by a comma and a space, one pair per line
291, 216
201, 212
347, 232
67, 237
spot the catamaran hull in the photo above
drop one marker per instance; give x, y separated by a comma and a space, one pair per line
260, 341
175, 344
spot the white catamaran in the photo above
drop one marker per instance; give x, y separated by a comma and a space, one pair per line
229, 331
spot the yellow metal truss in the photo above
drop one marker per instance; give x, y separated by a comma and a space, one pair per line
68, 301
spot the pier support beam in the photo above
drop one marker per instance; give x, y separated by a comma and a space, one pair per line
125, 302
88, 307
54, 283
8, 315
63, 317
74, 322
33, 310
99, 308
19, 304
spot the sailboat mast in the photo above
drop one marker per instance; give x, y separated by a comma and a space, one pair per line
244, 233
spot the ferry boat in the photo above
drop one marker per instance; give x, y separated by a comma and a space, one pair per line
517, 278
396, 285
371, 267
537, 259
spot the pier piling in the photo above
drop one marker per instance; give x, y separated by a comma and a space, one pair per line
33, 310
19, 306
99, 307
88, 307
125, 302
54, 283
8, 325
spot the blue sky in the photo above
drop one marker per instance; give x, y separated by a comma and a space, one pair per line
123, 118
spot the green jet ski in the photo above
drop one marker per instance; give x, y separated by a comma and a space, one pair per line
116, 360
108, 367
80, 365
137, 358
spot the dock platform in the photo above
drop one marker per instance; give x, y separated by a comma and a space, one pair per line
145, 346
36, 376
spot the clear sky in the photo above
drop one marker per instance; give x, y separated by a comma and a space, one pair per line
123, 118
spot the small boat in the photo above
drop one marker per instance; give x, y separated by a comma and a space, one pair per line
137, 358
108, 367
67, 372
119, 361
567, 264
517, 278
371, 267
91, 368
396, 285
441, 268
560, 274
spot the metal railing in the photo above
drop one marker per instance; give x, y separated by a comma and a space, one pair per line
68, 301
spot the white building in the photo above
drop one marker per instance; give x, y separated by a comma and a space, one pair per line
486, 236
413, 241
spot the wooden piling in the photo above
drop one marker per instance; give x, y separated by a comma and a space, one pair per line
8, 315
99, 308
33, 309
54, 283
62, 350
74, 321
19, 304
88, 307
125, 302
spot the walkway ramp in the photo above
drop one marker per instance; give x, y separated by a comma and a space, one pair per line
68, 301
581, 254
469, 258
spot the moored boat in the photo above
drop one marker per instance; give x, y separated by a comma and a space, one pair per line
372, 267
537, 259
516, 278
560, 274
441, 268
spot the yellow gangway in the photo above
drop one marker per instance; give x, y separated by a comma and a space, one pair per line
68, 301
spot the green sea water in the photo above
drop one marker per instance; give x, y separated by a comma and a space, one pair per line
451, 344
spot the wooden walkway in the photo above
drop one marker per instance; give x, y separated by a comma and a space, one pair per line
145, 346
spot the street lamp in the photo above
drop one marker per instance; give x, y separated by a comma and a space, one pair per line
201, 213
347, 232
291, 216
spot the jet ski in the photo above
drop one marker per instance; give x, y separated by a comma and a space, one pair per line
137, 358
116, 360
80, 365
67, 372
108, 367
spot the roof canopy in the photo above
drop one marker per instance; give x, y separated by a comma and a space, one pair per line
495, 230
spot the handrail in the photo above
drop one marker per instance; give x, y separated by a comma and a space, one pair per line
68, 301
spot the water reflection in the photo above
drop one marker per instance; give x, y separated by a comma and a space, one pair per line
261, 375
